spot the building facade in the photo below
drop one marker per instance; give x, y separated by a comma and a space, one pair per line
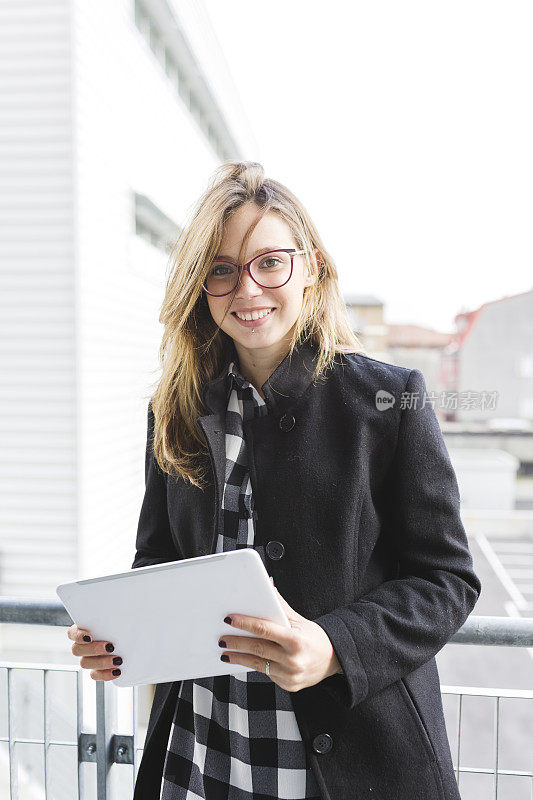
492, 360
114, 116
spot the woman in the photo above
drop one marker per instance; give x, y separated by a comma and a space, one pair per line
270, 428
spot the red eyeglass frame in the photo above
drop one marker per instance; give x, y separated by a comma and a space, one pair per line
292, 252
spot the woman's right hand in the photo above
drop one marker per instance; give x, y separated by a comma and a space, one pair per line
94, 655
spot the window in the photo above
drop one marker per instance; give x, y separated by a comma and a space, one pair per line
170, 62
141, 19
155, 41
525, 366
152, 225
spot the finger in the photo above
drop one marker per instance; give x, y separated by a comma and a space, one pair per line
92, 648
262, 628
261, 648
100, 662
104, 674
259, 664
78, 634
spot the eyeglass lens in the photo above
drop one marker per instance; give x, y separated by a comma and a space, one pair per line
268, 269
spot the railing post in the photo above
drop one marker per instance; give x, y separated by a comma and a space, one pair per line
13, 765
106, 719
82, 783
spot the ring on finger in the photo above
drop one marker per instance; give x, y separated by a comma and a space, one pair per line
267, 668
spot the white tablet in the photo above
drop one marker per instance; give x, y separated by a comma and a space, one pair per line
165, 620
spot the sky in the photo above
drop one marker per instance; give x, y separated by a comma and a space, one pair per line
406, 130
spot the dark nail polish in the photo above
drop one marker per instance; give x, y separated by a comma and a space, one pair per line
109, 647
117, 660
224, 657
86, 638
222, 643
116, 672
228, 620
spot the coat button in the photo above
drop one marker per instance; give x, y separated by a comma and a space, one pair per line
322, 743
287, 422
275, 550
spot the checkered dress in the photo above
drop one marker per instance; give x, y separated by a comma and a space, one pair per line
235, 737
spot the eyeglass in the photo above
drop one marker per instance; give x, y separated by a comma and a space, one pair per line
273, 267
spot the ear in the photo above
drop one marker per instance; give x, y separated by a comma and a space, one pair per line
312, 276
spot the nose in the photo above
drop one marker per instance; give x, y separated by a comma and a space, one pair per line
247, 286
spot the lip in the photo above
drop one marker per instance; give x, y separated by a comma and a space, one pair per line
254, 323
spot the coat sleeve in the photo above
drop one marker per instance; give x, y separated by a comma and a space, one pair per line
402, 623
154, 544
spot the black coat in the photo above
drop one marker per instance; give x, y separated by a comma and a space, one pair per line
365, 503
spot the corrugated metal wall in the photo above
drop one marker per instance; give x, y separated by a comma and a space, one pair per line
38, 480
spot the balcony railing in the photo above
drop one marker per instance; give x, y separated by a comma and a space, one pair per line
106, 746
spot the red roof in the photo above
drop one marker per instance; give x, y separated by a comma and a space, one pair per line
466, 319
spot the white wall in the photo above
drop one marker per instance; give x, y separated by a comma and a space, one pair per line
38, 480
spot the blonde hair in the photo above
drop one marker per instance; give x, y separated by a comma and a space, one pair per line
192, 347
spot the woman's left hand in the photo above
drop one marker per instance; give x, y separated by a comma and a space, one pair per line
299, 657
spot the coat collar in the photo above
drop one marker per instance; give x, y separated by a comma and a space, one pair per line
288, 381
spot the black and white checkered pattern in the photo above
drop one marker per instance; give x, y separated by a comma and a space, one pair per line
235, 737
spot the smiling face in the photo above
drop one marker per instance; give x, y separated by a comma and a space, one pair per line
272, 333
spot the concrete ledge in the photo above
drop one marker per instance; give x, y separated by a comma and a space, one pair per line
499, 523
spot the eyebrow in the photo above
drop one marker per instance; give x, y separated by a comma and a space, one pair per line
261, 250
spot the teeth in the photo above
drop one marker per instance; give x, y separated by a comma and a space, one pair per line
254, 315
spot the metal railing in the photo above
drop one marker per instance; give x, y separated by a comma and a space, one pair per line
105, 746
